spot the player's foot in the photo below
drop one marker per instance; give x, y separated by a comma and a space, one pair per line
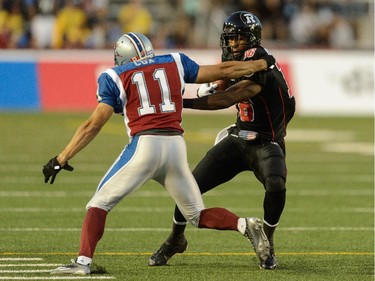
271, 261
166, 251
255, 234
73, 268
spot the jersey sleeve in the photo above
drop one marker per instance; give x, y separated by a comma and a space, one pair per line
256, 54
190, 67
108, 92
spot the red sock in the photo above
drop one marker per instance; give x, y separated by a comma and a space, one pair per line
218, 218
92, 231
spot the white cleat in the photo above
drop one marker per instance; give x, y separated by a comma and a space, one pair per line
73, 268
255, 234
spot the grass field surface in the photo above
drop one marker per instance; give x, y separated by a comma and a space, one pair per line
326, 231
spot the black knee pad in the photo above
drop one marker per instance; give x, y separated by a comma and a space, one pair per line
275, 184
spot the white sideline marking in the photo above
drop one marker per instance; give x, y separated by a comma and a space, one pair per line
55, 278
343, 228
28, 264
363, 148
54, 194
26, 271
361, 178
168, 209
21, 259
146, 229
46, 194
318, 135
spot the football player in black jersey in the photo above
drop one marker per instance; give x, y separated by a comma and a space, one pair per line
254, 143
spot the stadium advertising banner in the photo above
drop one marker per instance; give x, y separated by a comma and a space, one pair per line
333, 82
19, 85
67, 85
324, 82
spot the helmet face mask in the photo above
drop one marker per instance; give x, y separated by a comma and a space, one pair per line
132, 46
243, 27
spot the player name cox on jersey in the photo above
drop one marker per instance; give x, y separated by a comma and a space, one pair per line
143, 62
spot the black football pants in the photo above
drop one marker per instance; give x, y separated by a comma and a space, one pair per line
233, 155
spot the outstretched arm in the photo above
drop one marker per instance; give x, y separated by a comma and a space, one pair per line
229, 69
86, 132
240, 91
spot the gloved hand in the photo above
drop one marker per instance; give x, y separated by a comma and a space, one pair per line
206, 89
51, 169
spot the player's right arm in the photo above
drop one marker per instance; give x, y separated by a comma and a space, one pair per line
82, 137
86, 132
240, 91
229, 69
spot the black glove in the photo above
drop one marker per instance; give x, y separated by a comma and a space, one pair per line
52, 168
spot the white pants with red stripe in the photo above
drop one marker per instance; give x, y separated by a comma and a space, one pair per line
159, 157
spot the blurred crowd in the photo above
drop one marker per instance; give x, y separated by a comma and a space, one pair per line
171, 24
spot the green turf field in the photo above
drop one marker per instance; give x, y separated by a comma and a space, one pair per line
326, 231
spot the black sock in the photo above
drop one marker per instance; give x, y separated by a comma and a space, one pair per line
177, 229
273, 206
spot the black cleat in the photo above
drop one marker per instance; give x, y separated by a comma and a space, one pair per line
166, 251
271, 262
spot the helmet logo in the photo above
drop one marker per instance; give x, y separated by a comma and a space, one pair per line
249, 19
134, 58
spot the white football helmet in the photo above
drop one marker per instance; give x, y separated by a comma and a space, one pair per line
132, 46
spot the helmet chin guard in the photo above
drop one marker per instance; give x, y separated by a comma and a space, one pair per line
132, 46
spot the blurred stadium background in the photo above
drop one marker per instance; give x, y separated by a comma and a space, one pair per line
97, 24
51, 53
59, 47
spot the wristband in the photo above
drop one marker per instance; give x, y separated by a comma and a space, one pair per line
270, 61
188, 103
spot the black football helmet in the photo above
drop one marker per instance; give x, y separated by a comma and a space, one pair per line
240, 23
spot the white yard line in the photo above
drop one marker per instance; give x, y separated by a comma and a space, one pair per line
146, 229
30, 271
55, 277
21, 259
29, 264
363, 148
25, 271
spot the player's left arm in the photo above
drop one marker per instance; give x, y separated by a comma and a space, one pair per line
230, 69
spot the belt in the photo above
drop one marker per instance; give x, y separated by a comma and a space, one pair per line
164, 132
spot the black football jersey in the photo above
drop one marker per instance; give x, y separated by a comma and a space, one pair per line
269, 112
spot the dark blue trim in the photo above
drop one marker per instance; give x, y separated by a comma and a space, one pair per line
138, 42
124, 158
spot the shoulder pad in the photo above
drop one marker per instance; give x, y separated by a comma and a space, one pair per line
255, 53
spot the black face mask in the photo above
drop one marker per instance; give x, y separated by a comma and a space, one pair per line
227, 54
